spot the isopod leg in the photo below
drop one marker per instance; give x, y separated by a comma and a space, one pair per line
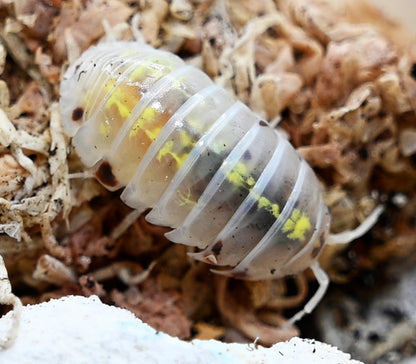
348, 236
128, 220
323, 281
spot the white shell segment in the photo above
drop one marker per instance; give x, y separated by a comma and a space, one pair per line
238, 237
207, 165
200, 167
276, 248
99, 117
164, 98
81, 78
221, 199
196, 116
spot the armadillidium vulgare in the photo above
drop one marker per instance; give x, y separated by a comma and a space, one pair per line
208, 166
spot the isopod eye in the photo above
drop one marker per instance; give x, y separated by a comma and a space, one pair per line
77, 114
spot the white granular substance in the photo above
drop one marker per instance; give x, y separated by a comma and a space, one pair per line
84, 330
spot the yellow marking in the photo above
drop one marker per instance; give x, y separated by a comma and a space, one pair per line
122, 108
275, 210
185, 199
121, 99
269, 206
139, 73
146, 70
179, 158
236, 179
241, 169
152, 134
239, 175
241, 178
251, 181
186, 139
105, 128
165, 150
263, 202
147, 116
297, 225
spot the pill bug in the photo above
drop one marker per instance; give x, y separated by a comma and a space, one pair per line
207, 166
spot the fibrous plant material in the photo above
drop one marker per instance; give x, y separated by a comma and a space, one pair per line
343, 92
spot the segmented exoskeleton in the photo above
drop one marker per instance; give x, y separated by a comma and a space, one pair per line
208, 166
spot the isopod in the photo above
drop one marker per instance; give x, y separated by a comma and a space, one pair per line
207, 166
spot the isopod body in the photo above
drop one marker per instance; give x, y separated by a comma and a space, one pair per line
209, 167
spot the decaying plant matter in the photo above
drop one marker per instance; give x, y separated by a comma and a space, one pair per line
343, 89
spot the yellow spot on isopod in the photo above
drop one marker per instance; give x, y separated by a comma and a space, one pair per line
185, 198
275, 210
269, 206
179, 158
297, 225
239, 175
146, 118
123, 100
151, 68
105, 128
167, 149
186, 139
152, 134
235, 178
263, 202
122, 108
139, 73
251, 181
